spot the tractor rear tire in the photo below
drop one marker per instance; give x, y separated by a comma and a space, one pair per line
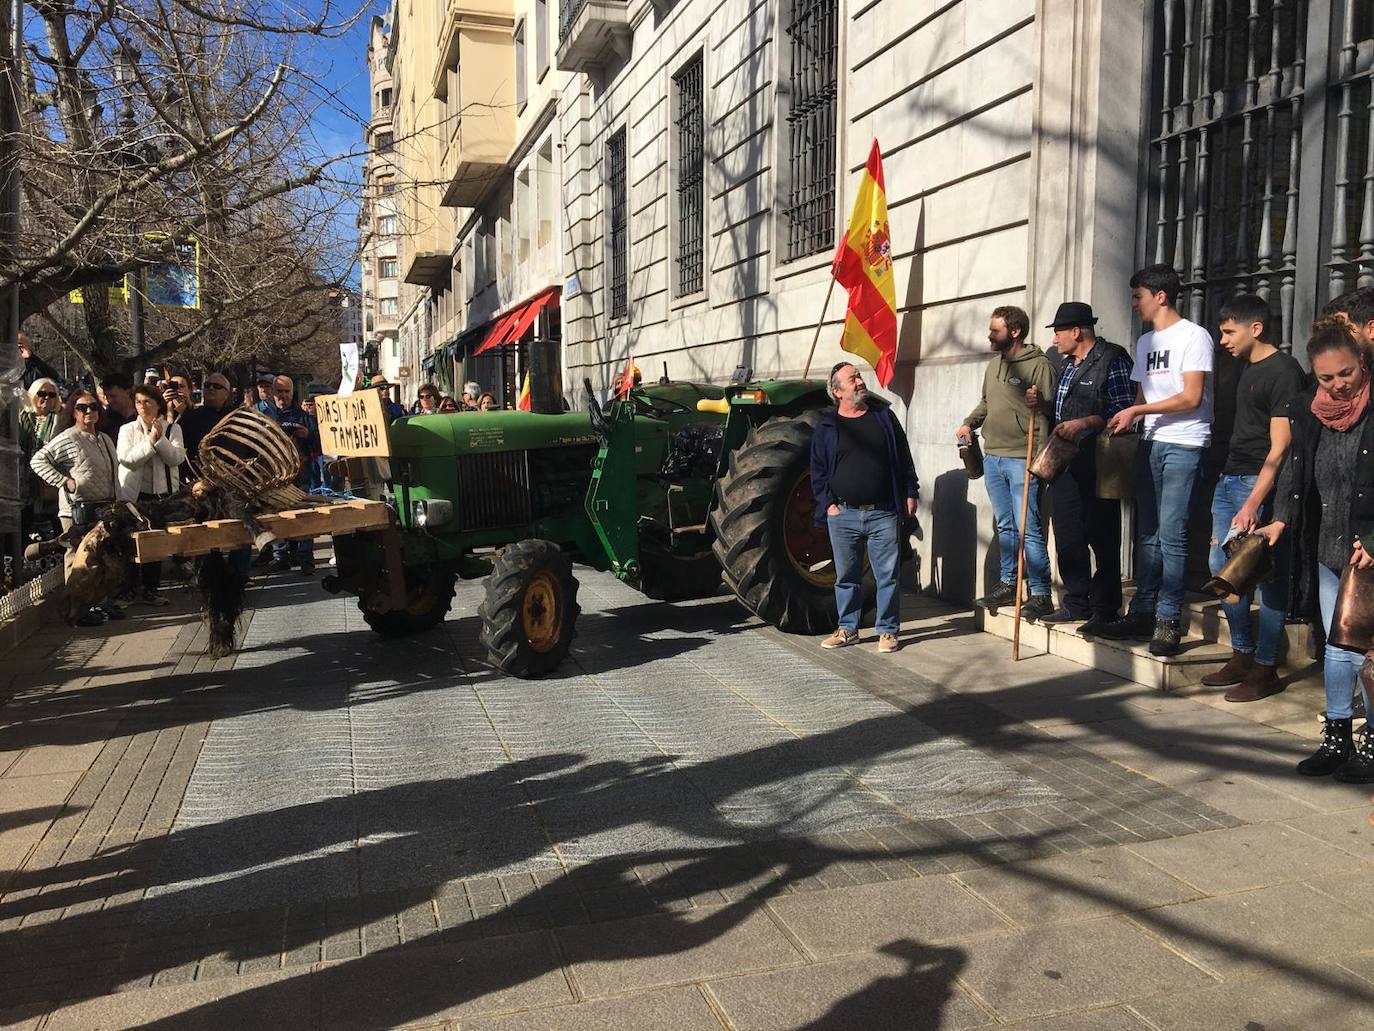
772, 555
530, 611
429, 600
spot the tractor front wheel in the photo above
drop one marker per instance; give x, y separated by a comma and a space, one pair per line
530, 609
428, 597
773, 555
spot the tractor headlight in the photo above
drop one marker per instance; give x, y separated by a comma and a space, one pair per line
431, 512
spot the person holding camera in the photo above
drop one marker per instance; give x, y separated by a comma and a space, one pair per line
81, 462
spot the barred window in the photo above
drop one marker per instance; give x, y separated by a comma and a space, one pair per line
617, 226
811, 102
1243, 195
689, 122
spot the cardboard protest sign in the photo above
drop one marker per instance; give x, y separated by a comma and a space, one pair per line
353, 426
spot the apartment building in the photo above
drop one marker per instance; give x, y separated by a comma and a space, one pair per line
707, 152
378, 219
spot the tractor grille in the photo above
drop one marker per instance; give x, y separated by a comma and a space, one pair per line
493, 490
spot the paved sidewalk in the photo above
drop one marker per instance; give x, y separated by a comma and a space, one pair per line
700, 823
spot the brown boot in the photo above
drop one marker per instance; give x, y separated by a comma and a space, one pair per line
1260, 682
1234, 672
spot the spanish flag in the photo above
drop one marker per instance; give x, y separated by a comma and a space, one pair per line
863, 266
523, 401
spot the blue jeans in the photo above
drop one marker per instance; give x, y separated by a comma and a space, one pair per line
1005, 479
1341, 669
1230, 494
850, 532
298, 552
1165, 475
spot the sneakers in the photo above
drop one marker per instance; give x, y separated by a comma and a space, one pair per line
1061, 615
1003, 594
841, 638
888, 643
279, 565
91, 617
1168, 634
1260, 682
1234, 672
1096, 622
1134, 626
1037, 606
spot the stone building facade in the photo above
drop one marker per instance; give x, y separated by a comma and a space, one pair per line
706, 154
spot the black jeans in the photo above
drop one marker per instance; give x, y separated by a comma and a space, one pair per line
1082, 521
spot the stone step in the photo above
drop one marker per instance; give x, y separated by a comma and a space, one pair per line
1130, 660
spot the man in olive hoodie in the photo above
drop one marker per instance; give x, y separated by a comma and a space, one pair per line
1004, 417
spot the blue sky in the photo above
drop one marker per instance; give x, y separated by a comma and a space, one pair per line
340, 65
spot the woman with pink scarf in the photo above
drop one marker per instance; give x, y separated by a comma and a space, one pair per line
1324, 503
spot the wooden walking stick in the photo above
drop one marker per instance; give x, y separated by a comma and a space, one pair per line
1021, 544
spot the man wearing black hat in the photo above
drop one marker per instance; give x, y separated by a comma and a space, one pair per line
1094, 384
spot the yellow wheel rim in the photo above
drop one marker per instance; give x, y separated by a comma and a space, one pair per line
542, 613
806, 544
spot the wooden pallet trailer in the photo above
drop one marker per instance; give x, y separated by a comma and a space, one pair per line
332, 520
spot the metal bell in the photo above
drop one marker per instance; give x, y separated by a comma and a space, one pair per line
1249, 561
1352, 622
1053, 458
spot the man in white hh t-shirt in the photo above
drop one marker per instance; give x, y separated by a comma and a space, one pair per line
1173, 374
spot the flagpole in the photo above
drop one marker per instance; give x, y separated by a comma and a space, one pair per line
817, 336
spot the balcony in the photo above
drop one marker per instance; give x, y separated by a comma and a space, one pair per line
428, 268
590, 31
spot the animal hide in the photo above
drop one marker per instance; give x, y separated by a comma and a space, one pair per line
222, 592
104, 561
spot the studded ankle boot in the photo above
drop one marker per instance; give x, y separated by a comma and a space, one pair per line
1336, 748
1359, 768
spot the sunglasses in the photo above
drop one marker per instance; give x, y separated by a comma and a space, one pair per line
84, 408
45, 393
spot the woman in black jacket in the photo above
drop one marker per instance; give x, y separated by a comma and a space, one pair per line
1325, 501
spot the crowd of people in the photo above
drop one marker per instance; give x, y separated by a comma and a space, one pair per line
1296, 473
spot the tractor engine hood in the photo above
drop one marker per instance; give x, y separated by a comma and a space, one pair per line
465, 433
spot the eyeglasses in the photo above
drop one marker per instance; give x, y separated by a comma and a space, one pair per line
46, 394
85, 408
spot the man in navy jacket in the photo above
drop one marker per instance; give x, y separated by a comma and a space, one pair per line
864, 482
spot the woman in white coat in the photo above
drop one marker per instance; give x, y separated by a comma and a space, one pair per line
150, 450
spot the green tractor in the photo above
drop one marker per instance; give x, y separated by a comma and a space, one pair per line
672, 489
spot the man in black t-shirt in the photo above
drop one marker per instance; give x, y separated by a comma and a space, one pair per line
864, 482
1260, 436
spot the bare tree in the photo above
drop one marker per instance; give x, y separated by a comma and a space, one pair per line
148, 125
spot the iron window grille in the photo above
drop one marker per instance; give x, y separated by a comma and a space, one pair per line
618, 229
1241, 198
808, 208
690, 124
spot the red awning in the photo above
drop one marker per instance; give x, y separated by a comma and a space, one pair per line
512, 326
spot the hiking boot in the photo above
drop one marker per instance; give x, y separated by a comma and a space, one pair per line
1134, 626
1037, 606
841, 638
1234, 672
1003, 594
888, 643
1359, 768
1260, 682
1168, 634
1336, 748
